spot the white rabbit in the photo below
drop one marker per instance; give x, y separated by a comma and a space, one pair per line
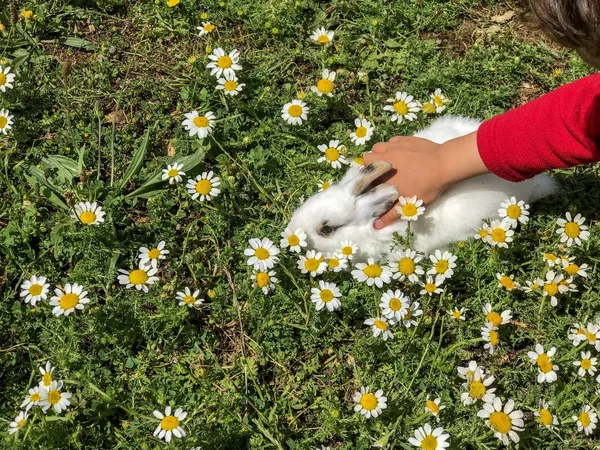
347, 210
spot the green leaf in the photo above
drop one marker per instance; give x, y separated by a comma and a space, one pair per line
136, 162
391, 43
66, 168
77, 42
48, 189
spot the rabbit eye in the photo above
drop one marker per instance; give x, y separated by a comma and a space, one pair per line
326, 230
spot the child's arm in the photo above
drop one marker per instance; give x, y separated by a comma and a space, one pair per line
558, 130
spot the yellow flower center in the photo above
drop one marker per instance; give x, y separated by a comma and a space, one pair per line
87, 217
68, 301
359, 160
325, 86
53, 397
500, 422
395, 304
208, 27
47, 379
572, 269
477, 389
27, 14
406, 266
326, 295
551, 288
35, 397
407, 316
409, 209
441, 266
483, 233
550, 257
499, 235
169, 423
439, 101
545, 417
332, 154
323, 39
428, 108
326, 185
585, 420
261, 253
312, 264
494, 318
173, 173
2, 79
456, 314
3, 121
224, 62
369, 401
381, 325
513, 211
333, 263
35, 289
494, 337
347, 250
293, 240
586, 364
361, 132
138, 277
189, 300
429, 443
590, 336
154, 253
262, 279
203, 187
572, 229
401, 108
171, 3
507, 282
534, 286
21, 423
230, 85
200, 121
295, 110
430, 287
544, 363
373, 270
433, 407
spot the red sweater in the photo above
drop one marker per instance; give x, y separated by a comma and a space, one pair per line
558, 130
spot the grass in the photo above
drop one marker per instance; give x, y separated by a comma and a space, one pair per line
95, 79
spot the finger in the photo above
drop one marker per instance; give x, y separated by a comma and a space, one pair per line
397, 139
379, 147
388, 218
369, 158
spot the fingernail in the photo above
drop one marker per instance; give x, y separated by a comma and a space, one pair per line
378, 224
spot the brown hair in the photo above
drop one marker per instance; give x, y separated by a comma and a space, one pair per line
572, 23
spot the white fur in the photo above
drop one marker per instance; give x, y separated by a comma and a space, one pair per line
451, 218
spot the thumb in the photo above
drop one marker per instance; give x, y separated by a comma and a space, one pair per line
388, 218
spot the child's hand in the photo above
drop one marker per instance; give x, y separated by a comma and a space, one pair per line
424, 168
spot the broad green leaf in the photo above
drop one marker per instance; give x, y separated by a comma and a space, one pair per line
67, 168
48, 189
136, 162
77, 42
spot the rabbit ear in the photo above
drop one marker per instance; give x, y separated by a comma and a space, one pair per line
368, 174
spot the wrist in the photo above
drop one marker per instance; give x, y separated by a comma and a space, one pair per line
460, 160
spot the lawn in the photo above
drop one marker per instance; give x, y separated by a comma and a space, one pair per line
99, 100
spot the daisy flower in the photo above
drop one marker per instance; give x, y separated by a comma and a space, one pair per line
477, 386
458, 314
188, 298
265, 280
88, 213
322, 36
552, 286
151, 256
394, 305
504, 422
173, 173
491, 336
551, 259
483, 232
573, 269
34, 290
514, 212
428, 439
507, 281
586, 420
372, 273
206, 28
363, 131
501, 234
404, 265
326, 295
230, 85
348, 249
494, 318
434, 407
545, 417
467, 373
199, 125
54, 398
336, 262
295, 240
410, 208
65, 302
312, 263
357, 161
543, 360
587, 364
437, 104
577, 334
413, 312
381, 327
222, 63
20, 421
170, 424
46, 372
324, 185
204, 186
263, 253
332, 154
369, 404
592, 334
6, 121
572, 231
294, 112
325, 85
531, 286
403, 107
32, 398
431, 286
6, 78
140, 278
443, 263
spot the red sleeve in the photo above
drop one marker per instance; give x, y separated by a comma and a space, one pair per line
558, 130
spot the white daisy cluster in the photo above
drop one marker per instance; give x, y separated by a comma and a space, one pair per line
67, 299
490, 332
7, 79
500, 232
145, 274
47, 394
404, 107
